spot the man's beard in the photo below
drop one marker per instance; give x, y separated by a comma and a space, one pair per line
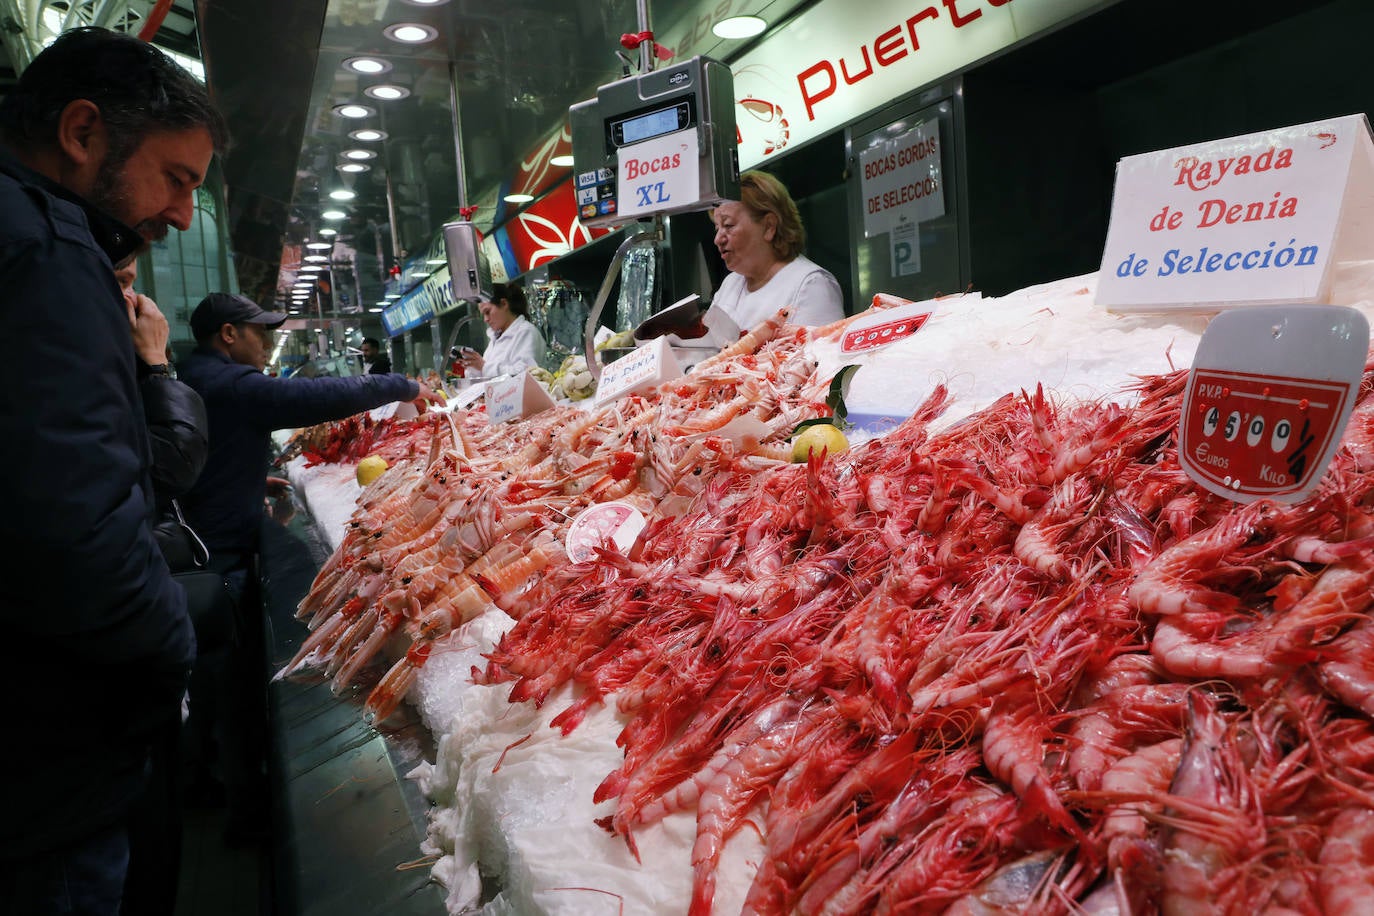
108, 196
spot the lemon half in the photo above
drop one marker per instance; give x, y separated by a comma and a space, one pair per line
823, 437
369, 469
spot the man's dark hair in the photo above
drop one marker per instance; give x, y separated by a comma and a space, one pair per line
373, 341
138, 89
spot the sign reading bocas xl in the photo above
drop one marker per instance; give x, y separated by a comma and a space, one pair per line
1246, 220
839, 60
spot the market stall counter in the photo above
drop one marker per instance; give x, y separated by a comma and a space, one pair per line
346, 820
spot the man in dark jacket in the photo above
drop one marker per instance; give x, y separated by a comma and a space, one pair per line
374, 361
234, 340
104, 142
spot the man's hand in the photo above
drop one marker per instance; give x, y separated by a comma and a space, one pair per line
149, 328
277, 487
426, 396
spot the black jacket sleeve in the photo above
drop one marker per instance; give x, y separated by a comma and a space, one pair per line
275, 403
178, 432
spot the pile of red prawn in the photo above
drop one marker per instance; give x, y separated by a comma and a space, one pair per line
352, 439
459, 526
1021, 665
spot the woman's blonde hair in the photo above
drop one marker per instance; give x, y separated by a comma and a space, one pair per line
764, 194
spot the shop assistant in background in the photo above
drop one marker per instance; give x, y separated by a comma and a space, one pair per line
234, 339
513, 343
374, 361
761, 239
177, 432
105, 142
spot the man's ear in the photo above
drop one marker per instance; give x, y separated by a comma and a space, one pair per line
228, 333
81, 134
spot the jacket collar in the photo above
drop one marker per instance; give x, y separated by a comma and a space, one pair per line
117, 240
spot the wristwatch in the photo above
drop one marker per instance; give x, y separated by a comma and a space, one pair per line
145, 370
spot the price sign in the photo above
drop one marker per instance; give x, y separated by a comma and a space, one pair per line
613, 525
1268, 430
886, 327
646, 367
510, 397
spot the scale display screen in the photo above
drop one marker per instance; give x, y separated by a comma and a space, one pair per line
652, 124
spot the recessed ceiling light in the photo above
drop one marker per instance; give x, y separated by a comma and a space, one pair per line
426, 2
333, 214
309, 270
368, 65
376, 310
739, 27
316, 258
354, 168
561, 161
393, 295
435, 262
342, 194
518, 198
384, 303
359, 155
354, 110
319, 246
329, 233
411, 33
386, 92
368, 134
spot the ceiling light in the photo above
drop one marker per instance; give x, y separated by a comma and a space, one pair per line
518, 198
411, 33
739, 27
386, 92
426, 2
342, 194
354, 168
435, 262
393, 296
312, 268
562, 161
419, 274
384, 303
333, 214
368, 65
376, 310
319, 246
328, 233
316, 258
354, 110
359, 155
368, 134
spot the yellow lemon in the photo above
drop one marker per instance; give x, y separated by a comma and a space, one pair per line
821, 437
369, 469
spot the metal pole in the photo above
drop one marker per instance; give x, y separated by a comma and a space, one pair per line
457, 133
647, 57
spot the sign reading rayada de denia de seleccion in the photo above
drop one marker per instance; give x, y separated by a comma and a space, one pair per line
1247, 220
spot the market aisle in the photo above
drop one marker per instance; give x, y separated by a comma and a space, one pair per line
217, 880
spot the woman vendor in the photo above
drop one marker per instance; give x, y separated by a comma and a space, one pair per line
761, 239
513, 343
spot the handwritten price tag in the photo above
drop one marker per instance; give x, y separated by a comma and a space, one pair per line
1270, 432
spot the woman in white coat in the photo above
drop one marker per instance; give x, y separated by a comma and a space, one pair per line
513, 343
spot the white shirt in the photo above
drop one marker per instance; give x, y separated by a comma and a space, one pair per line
809, 290
519, 347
